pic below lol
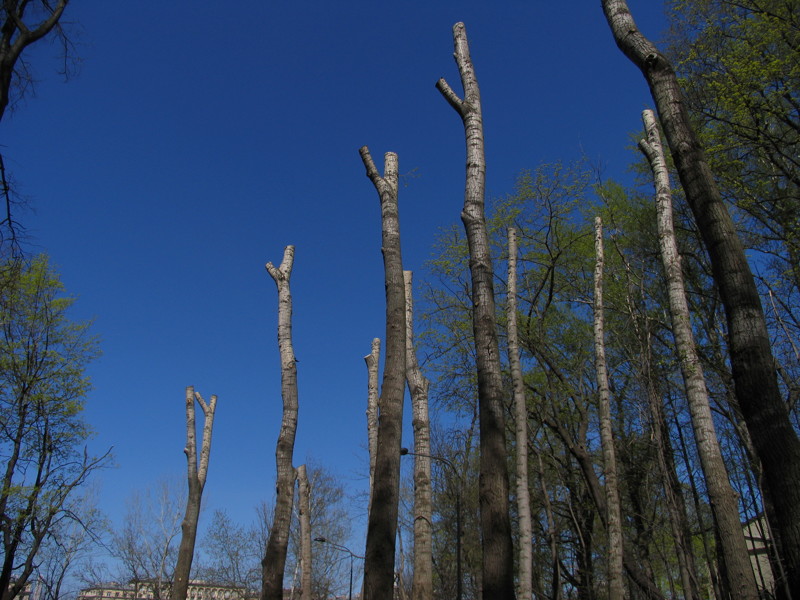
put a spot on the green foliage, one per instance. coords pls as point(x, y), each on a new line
point(43, 356)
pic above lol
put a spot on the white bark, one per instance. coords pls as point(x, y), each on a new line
point(422, 585)
point(524, 591)
point(373, 361)
point(616, 589)
point(304, 493)
point(723, 500)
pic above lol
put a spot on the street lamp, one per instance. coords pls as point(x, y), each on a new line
point(443, 460)
point(341, 548)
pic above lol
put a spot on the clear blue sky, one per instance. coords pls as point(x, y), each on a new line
point(199, 138)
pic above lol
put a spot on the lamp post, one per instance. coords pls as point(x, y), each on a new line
point(341, 548)
point(443, 460)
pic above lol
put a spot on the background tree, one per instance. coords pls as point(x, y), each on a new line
point(43, 357)
point(275, 556)
point(196, 475)
point(382, 526)
point(498, 555)
point(752, 363)
point(232, 552)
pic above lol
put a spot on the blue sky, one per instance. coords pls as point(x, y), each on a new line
point(197, 139)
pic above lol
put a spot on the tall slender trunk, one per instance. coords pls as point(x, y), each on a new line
point(196, 476)
point(525, 590)
point(303, 497)
point(616, 586)
point(373, 360)
point(751, 357)
point(382, 524)
point(274, 562)
point(498, 552)
point(422, 584)
point(724, 503)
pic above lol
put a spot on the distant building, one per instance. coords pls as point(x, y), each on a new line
point(757, 538)
point(145, 590)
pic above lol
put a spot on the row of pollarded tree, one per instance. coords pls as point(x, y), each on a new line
point(767, 426)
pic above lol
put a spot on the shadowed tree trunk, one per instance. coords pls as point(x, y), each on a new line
point(751, 357)
point(197, 481)
point(724, 504)
point(498, 551)
point(422, 584)
point(274, 562)
point(520, 428)
point(616, 587)
point(303, 496)
point(382, 524)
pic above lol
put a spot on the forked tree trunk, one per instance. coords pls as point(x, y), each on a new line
point(520, 428)
point(723, 500)
point(274, 562)
point(196, 476)
point(303, 496)
point(373, 360)
point(382, 524)
point(422, 584)
point(498, 552)
point(752, 363)
point(616, 586)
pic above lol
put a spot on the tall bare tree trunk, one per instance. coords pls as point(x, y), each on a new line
point(422, 584)
point(752, 362)
point(724, 503)
point(274, 562)
point(373, 361)
point(498, 551)
point(616, 586)
point(521, 428)
point(196, 476)
point(304, 494)
point(382, 524)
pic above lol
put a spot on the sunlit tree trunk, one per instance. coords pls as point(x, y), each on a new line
point(373, 360)
point(197, 480)
point(382, 524)
point(520, 428)
point(274, 562)
point(498, 552)
point(616, 589)
point(303, 497)
point(724, 504)
point(752, 363)
point(422, 584)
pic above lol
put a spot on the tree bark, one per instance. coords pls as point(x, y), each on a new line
point(751, 357)
point(274, 562)
point(616, 587)
point(304, 493)
point(422, 584)
point(196, 476)
point(498, 553)
point(525, 590)
point(724, 503)
point(382, 524)
point(373, 360)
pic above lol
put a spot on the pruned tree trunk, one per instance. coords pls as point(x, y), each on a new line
point(752, 363)
point(382, 524)
point(723, 500)
point(373, 361)
point(274, 562)
point(422, 584)
point(520, 428)
point(498, 552)
point(196, 476)
point(616, 586)
point(304, 499)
